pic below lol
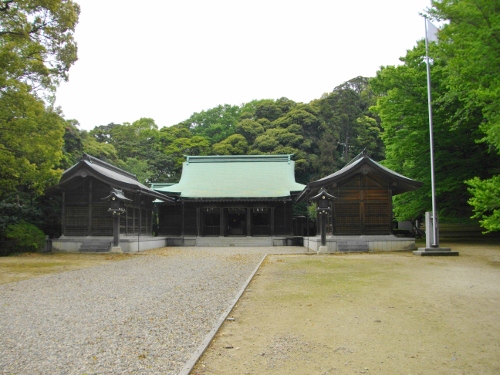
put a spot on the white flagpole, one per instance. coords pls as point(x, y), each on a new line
point(435, 239)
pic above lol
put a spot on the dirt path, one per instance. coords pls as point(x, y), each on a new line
point(392, 313)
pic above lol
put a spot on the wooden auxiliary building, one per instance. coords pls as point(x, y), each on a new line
point(361, 213)
point(87, 224)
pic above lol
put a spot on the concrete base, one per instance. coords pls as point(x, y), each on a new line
point(116, 249)
point(236, 241)
point(128, 244)
point(341, 244)
point(435, 251)
point(323, 250)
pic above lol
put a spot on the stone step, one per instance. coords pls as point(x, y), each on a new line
point(233, 241)
point(352, 246)
point(95, 246)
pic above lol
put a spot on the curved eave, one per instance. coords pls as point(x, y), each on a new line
point(399, 183)
point(123, 183)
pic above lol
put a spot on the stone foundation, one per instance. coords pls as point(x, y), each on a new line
point(128, 244)
point(340, 244)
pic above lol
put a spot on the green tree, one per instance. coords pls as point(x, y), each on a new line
point(180, 147)
point(73, 144)
point(369, 137)
point(36, 52)
point(250, 129)
point(402, 107)
point(346, 127)
point(268, 109)
point(170, 134)
point(486, 202)
point(295, 132)
point(470, 42)
point(31, 142)
point(136, 140)
point(340, 110)
point(214, 124)
point(140, 168)
point(37, 46)
point(101, 150)
point(235, 144)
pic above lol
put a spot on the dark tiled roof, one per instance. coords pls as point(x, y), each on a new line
point(363, 164)
point(116, 177)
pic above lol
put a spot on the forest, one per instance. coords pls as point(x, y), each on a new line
point(386, 115)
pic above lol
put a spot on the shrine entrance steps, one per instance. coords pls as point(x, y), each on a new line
point(95, 246)
point(236, 241)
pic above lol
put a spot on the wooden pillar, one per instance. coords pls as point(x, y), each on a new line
point(222, 222)
point(182, 218)
point(127, 231)
point(284, 218)
point(272, 221)
point(63, 222)
point(134, 220)
point(198, 221)
point(249, 221)
point(389, 203)
point(89, 224)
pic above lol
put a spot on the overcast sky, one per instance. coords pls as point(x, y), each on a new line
point(168, 59)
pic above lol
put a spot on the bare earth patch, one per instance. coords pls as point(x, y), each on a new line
point(385, 313)
point(28, 265)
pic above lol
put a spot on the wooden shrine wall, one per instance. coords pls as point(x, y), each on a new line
point(86, 214)
point(363, 206)
point(193, 218)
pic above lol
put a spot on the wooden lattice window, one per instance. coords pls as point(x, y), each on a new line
point(77, 220)
point(347, 219)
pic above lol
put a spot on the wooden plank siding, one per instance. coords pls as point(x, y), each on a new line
point(363, 206)
point(86, 214)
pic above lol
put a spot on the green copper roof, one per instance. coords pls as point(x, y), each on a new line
point(248, 176)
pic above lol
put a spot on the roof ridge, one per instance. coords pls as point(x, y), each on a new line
point(237, 158)
point(94, 160)
point(362, 154)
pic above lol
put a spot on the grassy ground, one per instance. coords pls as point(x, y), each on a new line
point(28, 265)
point(384, 313)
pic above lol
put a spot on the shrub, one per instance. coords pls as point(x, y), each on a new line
point(24, 237)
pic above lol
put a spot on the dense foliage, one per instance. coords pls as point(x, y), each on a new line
point(23, 237)
point(36, 52)
point(465, 75)
point(470, 43)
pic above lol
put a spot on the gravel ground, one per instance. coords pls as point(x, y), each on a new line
point(146, 315)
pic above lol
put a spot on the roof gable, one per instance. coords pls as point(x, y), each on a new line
point(367, 166)
point(108, 173)
point(240, 176)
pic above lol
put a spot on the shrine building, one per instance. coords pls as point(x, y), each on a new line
point(87, 224)
point(361, 212)
point(227, 197)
